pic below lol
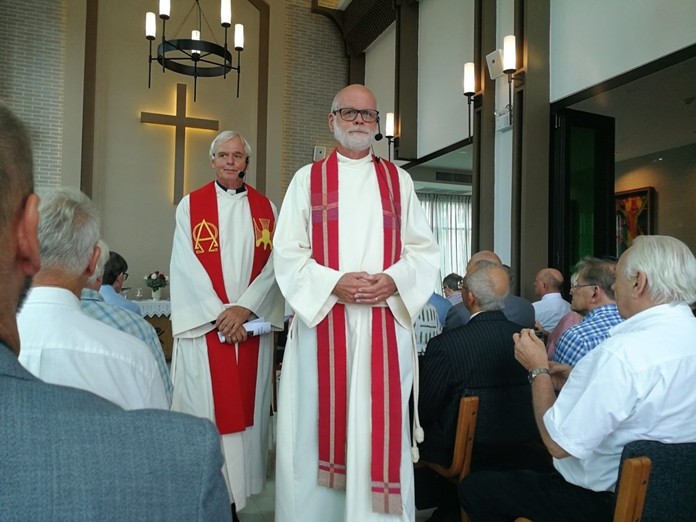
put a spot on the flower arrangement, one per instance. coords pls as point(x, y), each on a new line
point(156, 280)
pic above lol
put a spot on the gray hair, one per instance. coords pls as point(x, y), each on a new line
point(68, 230)
point(669, 267)
point(99, 267)
point(600, 272)
point(16, 165)
point(229, 135)
point(482, 283)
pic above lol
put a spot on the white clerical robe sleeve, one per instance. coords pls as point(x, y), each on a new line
point(263, 296)
point(194, 301)
point(307, 286)
point(416, 272)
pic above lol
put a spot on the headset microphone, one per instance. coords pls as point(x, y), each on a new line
point(243, 173)
point(378, 136)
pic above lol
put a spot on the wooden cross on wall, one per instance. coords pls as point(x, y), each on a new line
point(181, 122)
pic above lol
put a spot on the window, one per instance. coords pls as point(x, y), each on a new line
point(450, 219)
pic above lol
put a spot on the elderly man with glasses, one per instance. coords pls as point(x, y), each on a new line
point(593, 297)
point(356, 261)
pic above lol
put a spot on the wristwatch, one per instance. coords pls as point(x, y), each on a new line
point(535, 373)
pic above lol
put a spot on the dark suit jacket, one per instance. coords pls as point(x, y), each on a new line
point(68, 455)
point(517, 309)
point(463, 361)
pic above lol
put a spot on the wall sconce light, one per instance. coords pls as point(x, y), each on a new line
point(469, 88)
point(509, 67)
point(389, 133)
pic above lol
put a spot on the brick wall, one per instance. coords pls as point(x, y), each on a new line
point(315, 69)
point(32, 88)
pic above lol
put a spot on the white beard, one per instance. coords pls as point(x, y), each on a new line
point(353, 140)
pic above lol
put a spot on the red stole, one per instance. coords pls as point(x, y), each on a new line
point(233, 376)
point(332, 345)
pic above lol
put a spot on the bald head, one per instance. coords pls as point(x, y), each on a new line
point(486, 288)
point(548, 281)
point(485, 256)
point(355, 96)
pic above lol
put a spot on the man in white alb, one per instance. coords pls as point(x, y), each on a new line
point(356, 260)
point(222, 277)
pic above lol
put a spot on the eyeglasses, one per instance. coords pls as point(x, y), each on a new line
point(349, 114)
point(125, 275)
point(573, 287)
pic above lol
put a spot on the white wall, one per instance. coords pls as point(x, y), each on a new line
point(502, 230)
point(446, 43)
point(594, 40)
point(380, 77)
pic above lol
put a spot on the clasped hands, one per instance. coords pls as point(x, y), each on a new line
point(530, 352)
point(364, 288)
point(231, 324)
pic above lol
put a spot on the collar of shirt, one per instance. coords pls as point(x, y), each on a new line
point(232, 191)
point(90, 295)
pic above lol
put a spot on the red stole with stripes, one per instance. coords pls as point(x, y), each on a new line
point(332, 345)
point(233, 375)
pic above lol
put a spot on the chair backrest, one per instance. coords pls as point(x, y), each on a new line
point(463, 443)
point(671, 489)
point(506, 415)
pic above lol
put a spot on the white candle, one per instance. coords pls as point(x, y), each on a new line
point(150, 26)
point(226, 12)
point(238, 37)
point(509, 54)
point(195, 35)
point(165, 8)
point(469, 78)
point(389, 127)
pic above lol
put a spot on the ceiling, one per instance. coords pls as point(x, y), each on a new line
point(653, 113)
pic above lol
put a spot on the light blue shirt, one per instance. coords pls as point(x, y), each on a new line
point(111, 296)
point(93, 305)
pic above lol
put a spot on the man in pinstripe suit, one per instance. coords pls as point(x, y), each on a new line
point(458, 362)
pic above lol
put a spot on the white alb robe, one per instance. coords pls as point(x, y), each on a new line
point(195, 306)
point(308, 287)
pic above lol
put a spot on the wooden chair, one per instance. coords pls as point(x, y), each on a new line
point(657, 481)
point(463, 444)
point(630, 491)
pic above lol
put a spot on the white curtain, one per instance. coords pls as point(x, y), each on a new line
point(450, 218)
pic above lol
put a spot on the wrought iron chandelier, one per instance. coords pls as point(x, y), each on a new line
point(194, 57)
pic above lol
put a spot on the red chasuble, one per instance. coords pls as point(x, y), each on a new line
point(332, 346)
point(233, 376)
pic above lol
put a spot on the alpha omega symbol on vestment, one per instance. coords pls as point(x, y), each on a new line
point(205, 232)
point(262, 232)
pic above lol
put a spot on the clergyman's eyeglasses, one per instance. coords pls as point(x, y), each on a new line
point(349, 114)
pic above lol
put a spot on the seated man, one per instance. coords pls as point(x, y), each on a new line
point(60, 343)
point(636, 385)
point(93, 305)
point(551, 307)
point(593, 297)
point(68, 454)
point(516, 309)
point(115, 273)
point(451, 286)
point(475, 356)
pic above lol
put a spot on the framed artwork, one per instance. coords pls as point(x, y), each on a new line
point(634, 216)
